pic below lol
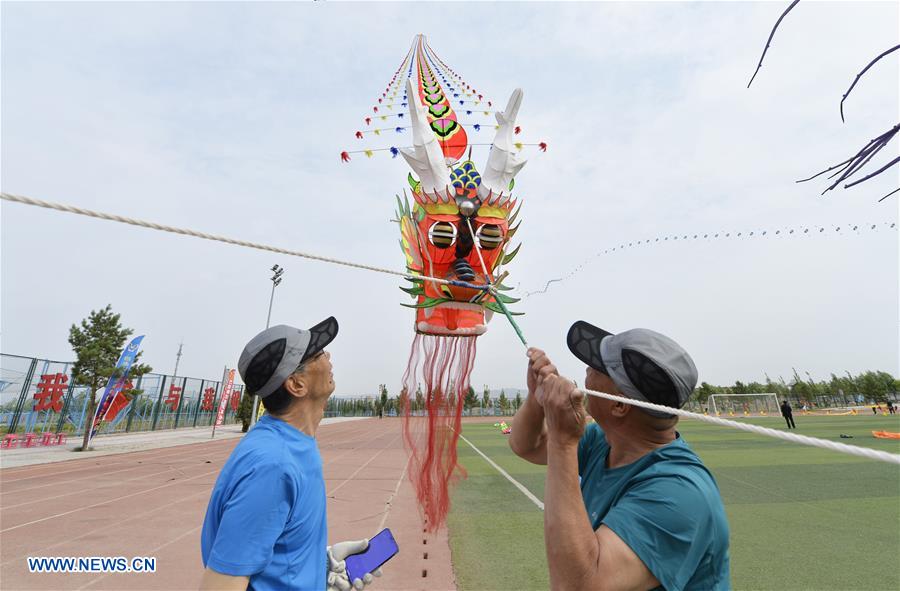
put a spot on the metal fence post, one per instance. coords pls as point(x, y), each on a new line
point(20, 404)
point(132, 408)
point(180, 401)
point(199, 402)
point(66, 404)
point(217, 400)
point(162, 388)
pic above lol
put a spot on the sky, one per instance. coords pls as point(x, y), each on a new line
point(229, 118)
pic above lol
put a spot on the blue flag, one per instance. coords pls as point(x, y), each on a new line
point(115, 384)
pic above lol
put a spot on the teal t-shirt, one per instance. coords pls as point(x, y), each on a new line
point(666, 506)
point(266, 516)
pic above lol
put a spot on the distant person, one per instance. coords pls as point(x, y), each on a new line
point(874, 410)
point(265, 525)
point(646, 512)
point(788, 413)
point(890, 406)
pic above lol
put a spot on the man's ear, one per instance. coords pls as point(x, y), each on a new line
point(296, 385)
point(620, 409)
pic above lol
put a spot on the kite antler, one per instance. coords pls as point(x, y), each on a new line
point(503, 164)
point(425, 157)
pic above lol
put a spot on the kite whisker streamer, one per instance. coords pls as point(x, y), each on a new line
point(443, 366)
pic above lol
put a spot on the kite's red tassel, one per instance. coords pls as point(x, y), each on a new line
point(345, 157)
point(542, 146)
point(518, 130)
point(431, 435)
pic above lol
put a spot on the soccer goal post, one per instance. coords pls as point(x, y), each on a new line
point(744, 404)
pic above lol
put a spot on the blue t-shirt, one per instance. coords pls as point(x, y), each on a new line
point(266, 516)
point(666, 506)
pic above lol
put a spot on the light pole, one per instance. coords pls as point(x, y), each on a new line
point(277, 272)
point(276, 279)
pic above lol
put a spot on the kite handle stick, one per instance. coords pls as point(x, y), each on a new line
point(491, 290)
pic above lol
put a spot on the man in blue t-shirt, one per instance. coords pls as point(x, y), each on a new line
point(266, 525)
point(627, 504)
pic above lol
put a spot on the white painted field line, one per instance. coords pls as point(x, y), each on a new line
point(515, 482)
point(389, 504)
point(108, 501)
point(358, 470)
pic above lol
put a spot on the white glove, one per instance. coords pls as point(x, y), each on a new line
point(338, 580)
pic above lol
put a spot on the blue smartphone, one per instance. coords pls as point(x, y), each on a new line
point(381, 548)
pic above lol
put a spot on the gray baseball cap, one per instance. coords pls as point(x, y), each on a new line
point(643, 364)
point(275, 353)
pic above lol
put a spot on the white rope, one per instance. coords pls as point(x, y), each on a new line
point(853, 450)
point(862, 452)
point(205, 236)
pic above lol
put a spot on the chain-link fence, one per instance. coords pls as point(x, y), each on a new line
point(40, 396)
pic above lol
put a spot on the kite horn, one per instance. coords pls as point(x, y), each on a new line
point(503, 162)
point(425, 156)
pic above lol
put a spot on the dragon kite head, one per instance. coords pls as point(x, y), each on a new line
point(459, 224)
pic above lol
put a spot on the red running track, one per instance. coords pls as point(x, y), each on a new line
point(152, 503)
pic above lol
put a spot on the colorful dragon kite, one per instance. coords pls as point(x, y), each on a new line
point(457, 227)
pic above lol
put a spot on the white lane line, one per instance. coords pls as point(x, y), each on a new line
point(134, 494)
point(358, 470)
point(149, 553)
point(516, 483)
point(389, 504)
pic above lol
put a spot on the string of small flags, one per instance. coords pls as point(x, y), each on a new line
point(448, 72)
point(799, 232)
point(394, 89)
point(400, 129)
point(395, 151)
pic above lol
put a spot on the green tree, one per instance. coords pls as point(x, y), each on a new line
point(471, 399)
point(875, 385)
point(518, 400)
point(245, 410)
point(420, 399)
point(504, 402)
point(97, 344)
point(703, 392)
point(777, 388)
point(486, 398)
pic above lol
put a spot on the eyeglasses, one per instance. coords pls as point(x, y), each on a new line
point(312, 359)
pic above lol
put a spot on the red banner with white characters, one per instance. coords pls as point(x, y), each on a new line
point(227, 387)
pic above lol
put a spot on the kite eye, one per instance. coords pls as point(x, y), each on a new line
point(489, 236)
point(442, 234)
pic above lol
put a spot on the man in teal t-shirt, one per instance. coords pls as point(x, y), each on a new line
point(628, 505)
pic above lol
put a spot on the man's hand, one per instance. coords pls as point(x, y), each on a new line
point(563, 410)
point(539, 368)
point(338, 580)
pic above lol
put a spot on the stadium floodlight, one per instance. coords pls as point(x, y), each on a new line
point(276, 281)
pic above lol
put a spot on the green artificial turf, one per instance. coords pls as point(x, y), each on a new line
point(800, 517)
